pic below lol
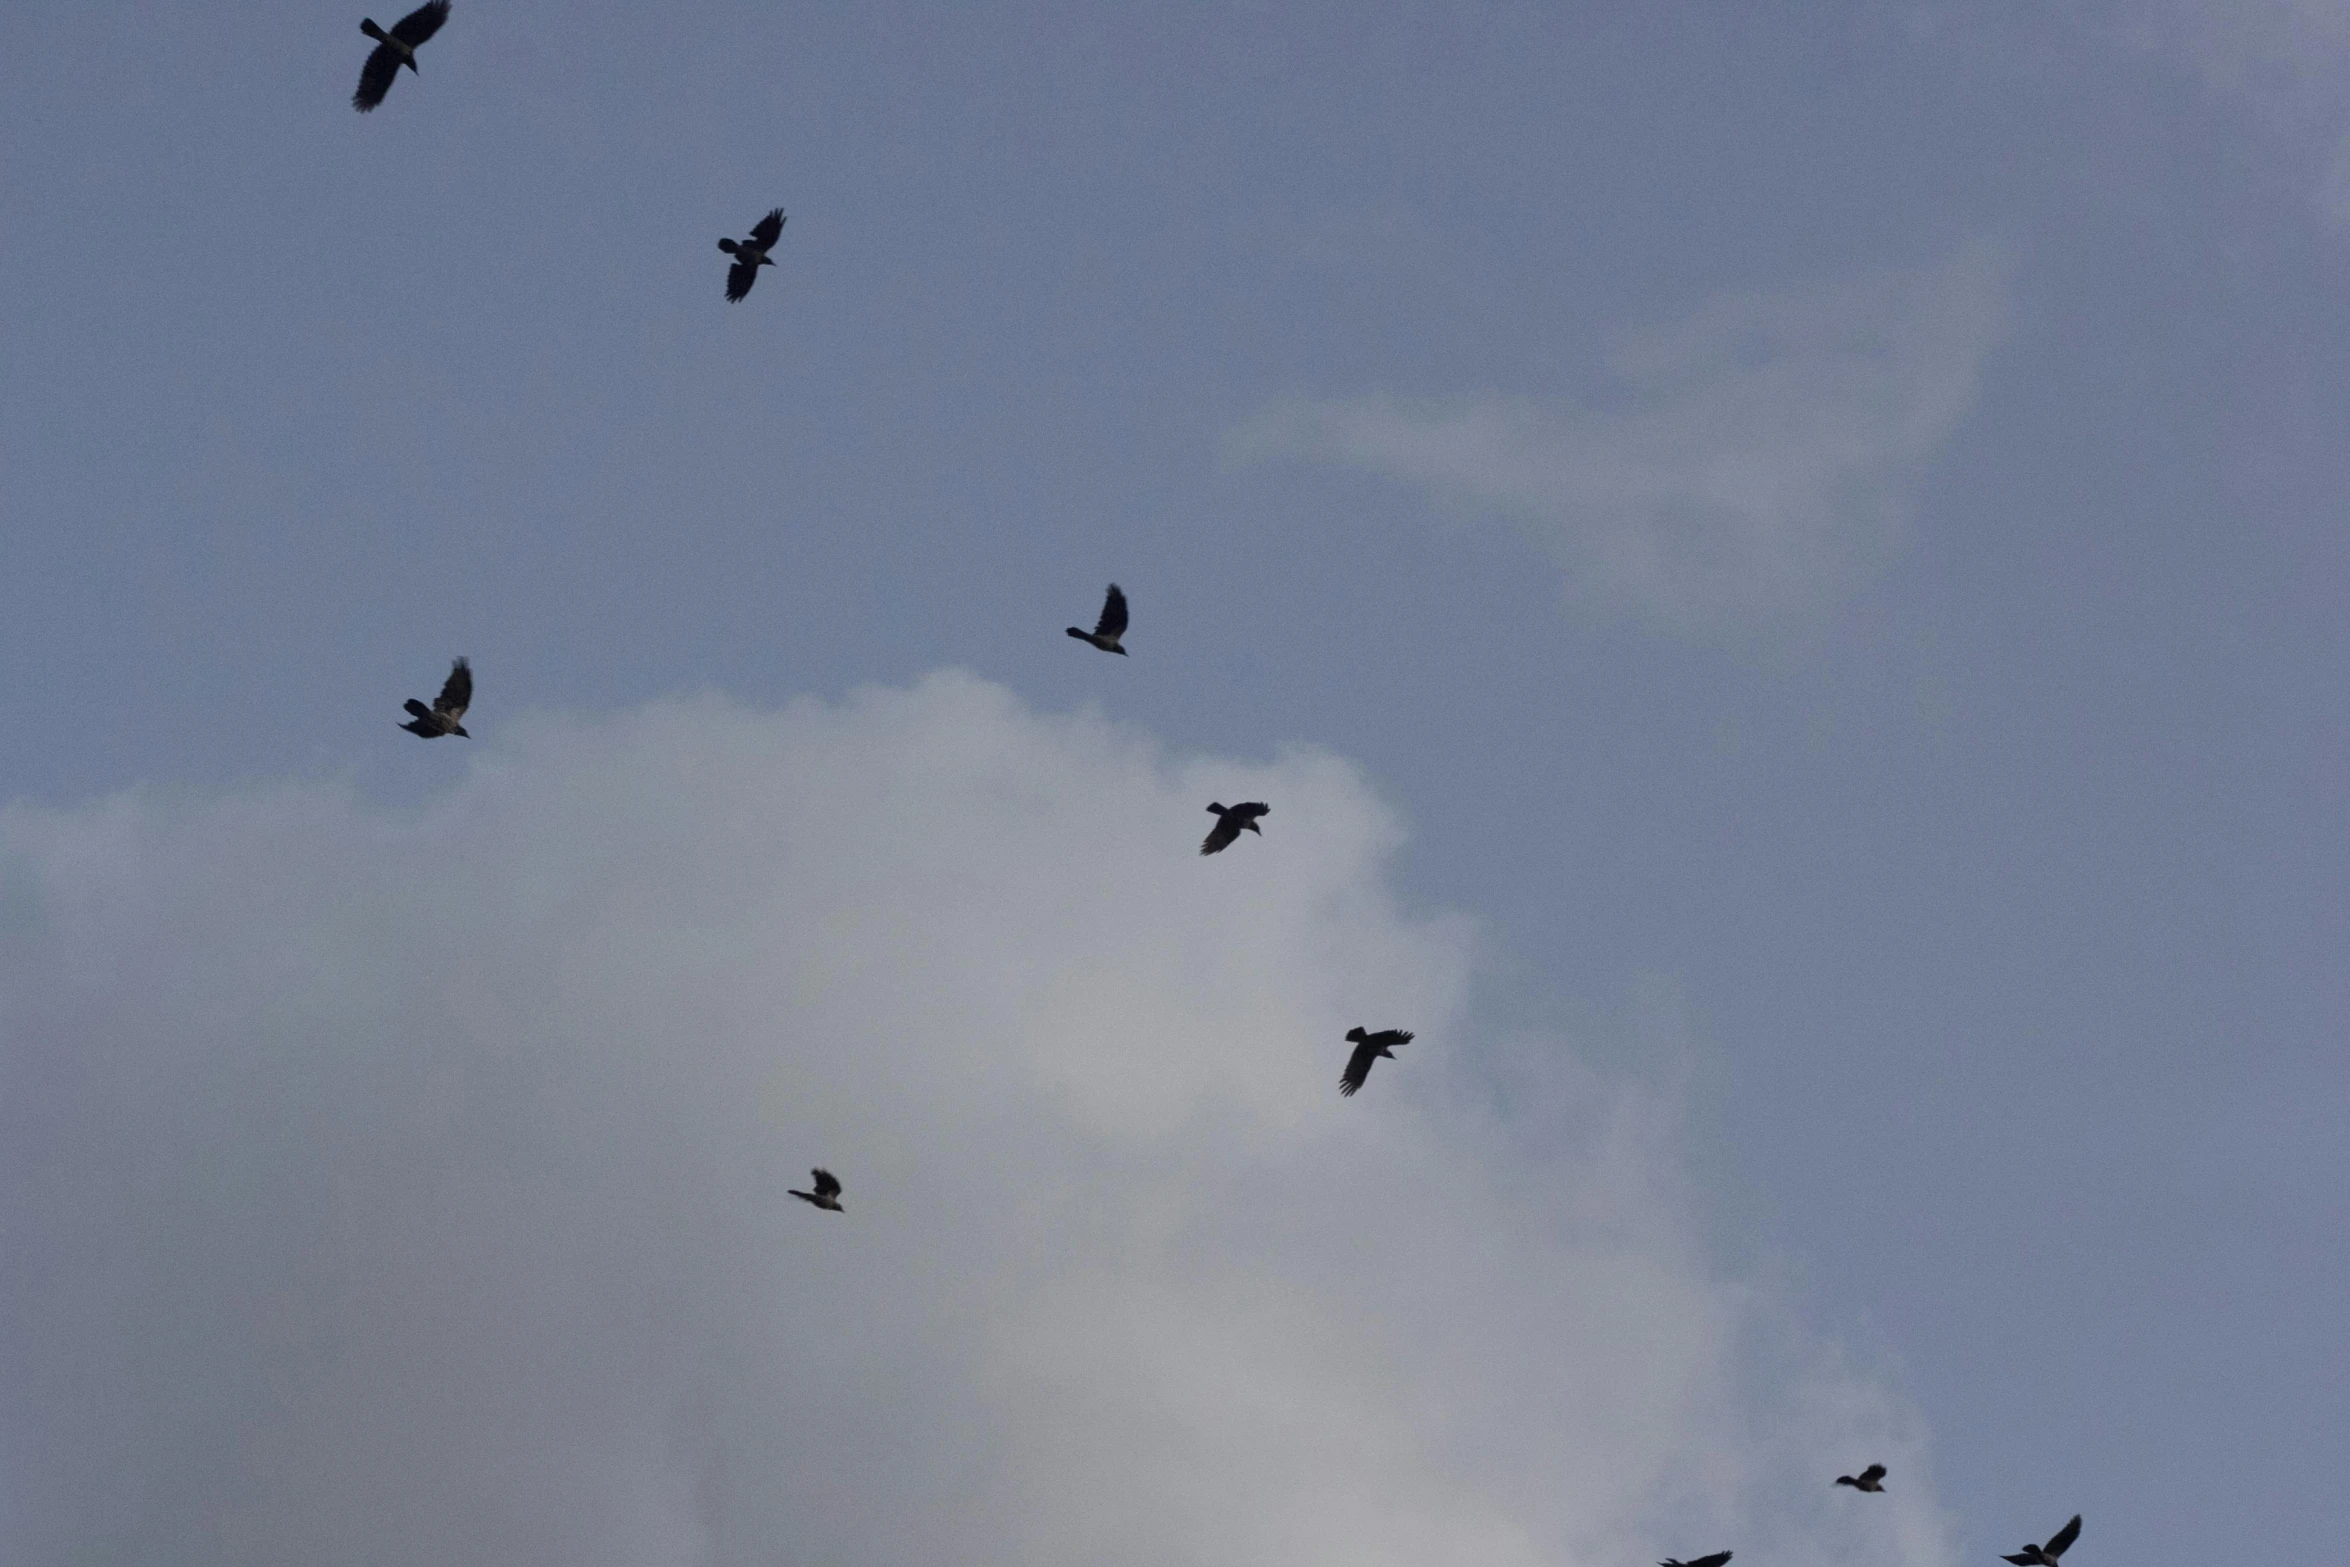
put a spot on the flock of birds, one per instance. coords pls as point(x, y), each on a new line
point(1872, 1479)
point(395, 49)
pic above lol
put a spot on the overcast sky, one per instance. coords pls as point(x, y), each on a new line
point(1782, 568)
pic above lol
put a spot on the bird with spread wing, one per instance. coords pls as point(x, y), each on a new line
point(446, 716)
point(827, 1192)
point(751, 254)
point(2046, 1555)
point(1368, 1048)
point(1870, 1479)
point(395, 49)
point(1107, 630)
point(1231, 821)
point(1714, 1560)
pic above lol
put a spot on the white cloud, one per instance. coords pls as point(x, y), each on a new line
point(386, 1187)
point(1752, 461)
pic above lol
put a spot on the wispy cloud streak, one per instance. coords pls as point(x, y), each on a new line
point(1751, 461)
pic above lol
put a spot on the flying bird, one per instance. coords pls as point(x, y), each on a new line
point(751, 254)
point(395, 49)
point(446, 716)
point(1870, 1479)
point(1107, 630)
point(1369, 1047)
point(1714, 1560)
point(2046, 1555)
point(1230, 820)
point(827, 1192)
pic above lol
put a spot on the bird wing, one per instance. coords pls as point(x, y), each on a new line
point(421, 23)
point(1358, 1072)
point(739, 279)
point(1113, 621)
point(415, 709)
point(456, 691)
point(375, 78)
point(768, 229)
point(2062, 1540)
point(1221, 835)
point(2024, 1558)
point(1391, 1037)
point(827, 1184)
point(1249, 811)
point(1714, 1560)
point(1872, 1474)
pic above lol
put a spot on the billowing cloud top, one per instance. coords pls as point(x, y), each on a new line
point(1751, 461)
point(411, 1186)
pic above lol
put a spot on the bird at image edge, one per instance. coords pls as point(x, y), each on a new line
point(393, 50)
point(2046, 1555)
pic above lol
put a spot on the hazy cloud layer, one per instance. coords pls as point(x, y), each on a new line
point(2286, 63)
point(390, 1187)
point(1752, 460)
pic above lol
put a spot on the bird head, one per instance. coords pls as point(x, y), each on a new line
point(1253, 827)
point(460, 733)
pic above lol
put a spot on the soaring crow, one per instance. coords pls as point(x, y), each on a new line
point(751, 254)
point(2046, 1555)
point(446, 716)
point(1358, 1070)
point(1870, 1479)
point(827, 1192)
point(1107, 630)
point(1714, 1560)
point(1230, 820)
point(395, 49)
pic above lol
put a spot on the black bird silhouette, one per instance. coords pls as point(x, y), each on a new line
point(751, 254)
point(1870, 1479)
point(2046, 1555)
point(395, 49)
point(1368, 1047)
point(1714, 1560)
point(446, 716)
point(1231, 820)
point(827, 1192)
point(1107, 630)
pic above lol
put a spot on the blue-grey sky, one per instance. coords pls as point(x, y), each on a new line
point(1822, 527)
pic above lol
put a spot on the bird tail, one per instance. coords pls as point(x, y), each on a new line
point(371, 30)
point(1216, 807)
point(726, 245)
point(1354, 1036)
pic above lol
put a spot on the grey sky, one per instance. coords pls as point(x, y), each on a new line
point(1821, 527)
